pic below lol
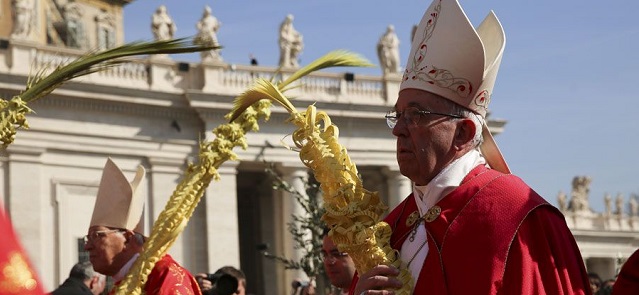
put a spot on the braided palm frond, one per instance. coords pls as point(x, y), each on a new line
point(353, 213)
point(243, 118)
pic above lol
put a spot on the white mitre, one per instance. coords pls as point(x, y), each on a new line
point(450, 58)
point(120, 204)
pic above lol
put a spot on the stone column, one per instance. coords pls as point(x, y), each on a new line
point(162, 177)
point(399, 187)
point(391, 87)
point(294, 174)
point(222, 231)
point(28, 203)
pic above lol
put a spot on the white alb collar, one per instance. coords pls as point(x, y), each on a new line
point(426, 196)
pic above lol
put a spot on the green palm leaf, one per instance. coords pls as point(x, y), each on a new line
point(40, 85)
point(13, 112)
point(262, 89)
point(337, 58)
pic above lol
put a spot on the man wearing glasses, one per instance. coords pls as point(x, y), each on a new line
point(116, 235)
point(339, 266)
point(469, 227)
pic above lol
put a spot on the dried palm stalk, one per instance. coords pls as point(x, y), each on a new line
point(187, 195)
point(353, 213)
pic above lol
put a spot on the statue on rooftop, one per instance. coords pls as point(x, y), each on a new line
point(561, 201)
point(579, 194)
point(207, 29)
point(634, 207)
point(23, 18)
point(162, 25)
point(619, 204)
point(291, 44)
point(388, 51)
point(608, 204)
point(72, 14)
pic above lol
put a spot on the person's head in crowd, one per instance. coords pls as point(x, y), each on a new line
point(209, 282)
point(82, 273)
point(595, 282)
point(339, 266)
point(117, 225)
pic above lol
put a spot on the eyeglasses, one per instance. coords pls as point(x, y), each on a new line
point(412, 115)
point(333, 256)
point(99, 234)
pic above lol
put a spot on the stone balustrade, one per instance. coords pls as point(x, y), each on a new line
point(161, 73)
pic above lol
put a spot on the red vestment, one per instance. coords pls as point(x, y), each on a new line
point(169, 278)
point(16, 274)
point(627, 282)
point(494, 235)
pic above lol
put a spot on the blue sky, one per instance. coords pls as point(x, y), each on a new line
point(566, 84)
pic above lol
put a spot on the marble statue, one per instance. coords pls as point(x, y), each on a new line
point(162, 25)
point(23, 18)
point(388, 51)
point(579, 194)
point(561, 201)
point(106, 30)
point(291, 44)
point(72, 14)
point(608, 204)
point(619, 204)
point(207, 29)
point(634, 207)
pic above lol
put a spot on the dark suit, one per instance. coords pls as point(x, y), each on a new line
point(72, 286)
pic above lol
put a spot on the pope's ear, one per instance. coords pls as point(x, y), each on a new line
point(465, 132)
point(128, 235)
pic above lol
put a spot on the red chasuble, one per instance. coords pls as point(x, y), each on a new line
point(494, 235)
point(169, 278)
point(627, 282)
point(16, 274)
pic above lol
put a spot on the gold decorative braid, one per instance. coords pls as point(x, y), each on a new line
point(352, 213)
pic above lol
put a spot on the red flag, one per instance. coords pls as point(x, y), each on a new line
point(16, 274)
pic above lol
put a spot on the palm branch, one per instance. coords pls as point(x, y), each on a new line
point(13, 112)
point(267, 89)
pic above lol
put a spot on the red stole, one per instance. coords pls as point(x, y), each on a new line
point(470, 239)
point(168, 277)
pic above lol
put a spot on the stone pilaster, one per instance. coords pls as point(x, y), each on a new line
point(295, 175)
point(399, 187)
point(162, 177)
point(27, 202)
point(222, 231)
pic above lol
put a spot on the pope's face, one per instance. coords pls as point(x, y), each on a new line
point(425, 148)
point(106, 249)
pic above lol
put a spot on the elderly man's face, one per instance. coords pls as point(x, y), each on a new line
point(425, 148)
point(106, 248)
